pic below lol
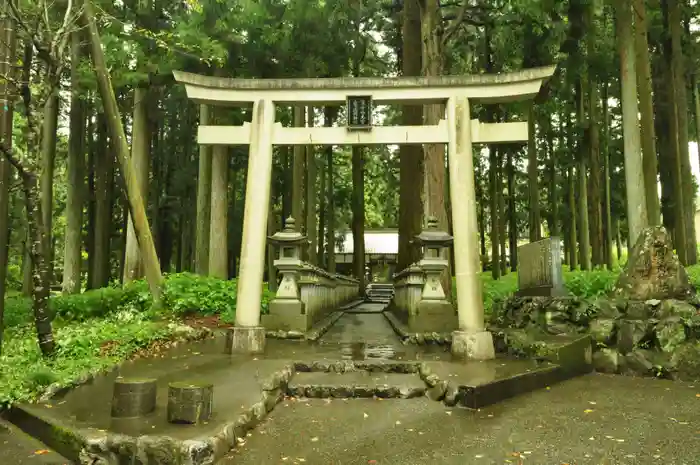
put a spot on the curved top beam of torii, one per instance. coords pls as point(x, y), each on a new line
point(485, 88)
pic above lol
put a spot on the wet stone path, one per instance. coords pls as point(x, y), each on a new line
point(595, 419)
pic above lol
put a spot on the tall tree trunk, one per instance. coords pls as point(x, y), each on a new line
point(582, 171)
point(553, 178)
point(94, 138)
point(512, 214)
point(104, 172)
point(141, 159)
point(203, 200)
point(411, 164)
point(298, 170)
point(533, 182)
point(678, 67)
point(358, 216)
point(8, 55)
point(330, 231)
point(218, 234)
point(607, 201)
point(571, 197)
point(595, 178)
point(495, 223)
point(136, 204)
point(76, 176)
point(48, 162)
point(646, 110)
point(321, 215)
point(634, 177)
point(311, 194)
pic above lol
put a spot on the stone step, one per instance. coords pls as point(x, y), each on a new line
point(356, 384)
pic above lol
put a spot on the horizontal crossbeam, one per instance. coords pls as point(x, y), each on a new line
point(482, 133)
point(485, 88)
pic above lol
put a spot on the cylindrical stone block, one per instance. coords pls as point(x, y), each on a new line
point(189, 403)
point(133, 397)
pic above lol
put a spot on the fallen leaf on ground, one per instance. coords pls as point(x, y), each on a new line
point(398, 422)
point(314, 439)
point(588, 410)
point(41, 452)
point(591, 402)
point(479, 456)
point(365, 415)
point(371, 461)
point(448, 412)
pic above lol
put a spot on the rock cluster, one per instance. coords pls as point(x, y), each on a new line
point(652, 338)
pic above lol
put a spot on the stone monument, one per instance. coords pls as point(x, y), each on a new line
point(539, 269)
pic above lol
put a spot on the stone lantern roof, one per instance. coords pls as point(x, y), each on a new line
point(289, 235)
point(432, 236)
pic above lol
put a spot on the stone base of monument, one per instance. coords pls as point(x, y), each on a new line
point(433, 316)
point(245, 340)
point(473, 345)
point(189, 403)
point(133, 397)
point(286, 315)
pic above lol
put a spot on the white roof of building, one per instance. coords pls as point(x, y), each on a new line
point(381, 241)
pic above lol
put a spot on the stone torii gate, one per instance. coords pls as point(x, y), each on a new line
point(457, 130)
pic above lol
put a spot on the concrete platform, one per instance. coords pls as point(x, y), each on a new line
point(18, 448)
point(590, 420)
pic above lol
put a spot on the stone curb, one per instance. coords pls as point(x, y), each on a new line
point(385, 391)
point(408, 337)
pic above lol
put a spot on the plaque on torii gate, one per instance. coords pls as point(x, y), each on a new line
point(456, 129)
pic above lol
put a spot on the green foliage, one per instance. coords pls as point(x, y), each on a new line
point(84, 347)
point(583, 284)
point(184, 294)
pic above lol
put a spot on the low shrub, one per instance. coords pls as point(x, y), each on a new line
point(183, 294)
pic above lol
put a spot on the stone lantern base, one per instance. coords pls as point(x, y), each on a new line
point(433, 316)
point(286, 315)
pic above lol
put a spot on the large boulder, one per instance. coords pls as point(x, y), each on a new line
point(653, 270)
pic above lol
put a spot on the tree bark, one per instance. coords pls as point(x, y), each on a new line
point(76, 176)
point(298, 170)
point(678, 67)
point(607, 200)
point(8, 54)
point(634, 177)
point(411, 164)
point(533, 182)
point(329, 116)
point(136, 205)
point(495, 223)
point(141, 158)
point(358, 216)
point(646, 110)
point(218, 233)
point(311, 194)
point(571, 197)
point(203, 200)
point(104, 174)
point(512, 214)
point(48, 163)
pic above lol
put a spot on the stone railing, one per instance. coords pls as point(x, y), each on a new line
point(317, 294)
point(414, 305)
point(322, 292)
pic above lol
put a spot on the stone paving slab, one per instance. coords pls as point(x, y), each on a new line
point(590, 420)
point(20, 449)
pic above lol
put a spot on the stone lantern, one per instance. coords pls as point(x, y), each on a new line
point(435, 312)
point(434, 260)
point(287, 303)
